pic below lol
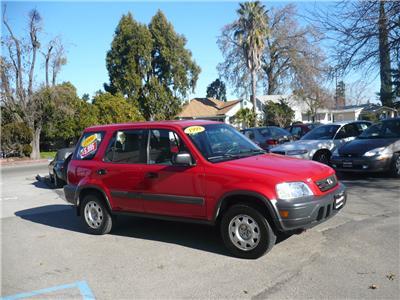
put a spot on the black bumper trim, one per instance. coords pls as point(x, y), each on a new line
point(310, 211)
point(70, 193)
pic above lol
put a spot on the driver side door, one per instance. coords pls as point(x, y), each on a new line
point(169, 189)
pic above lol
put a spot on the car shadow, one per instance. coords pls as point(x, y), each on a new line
point(196, 236)
point(43, 182)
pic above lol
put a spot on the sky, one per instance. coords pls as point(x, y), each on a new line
point(87, 28)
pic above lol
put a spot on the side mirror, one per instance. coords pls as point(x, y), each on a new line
point(182, 159)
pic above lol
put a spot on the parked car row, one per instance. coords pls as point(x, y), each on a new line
point(350, 146)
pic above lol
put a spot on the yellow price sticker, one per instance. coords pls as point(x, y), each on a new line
point(90, 139)
point(194, 129)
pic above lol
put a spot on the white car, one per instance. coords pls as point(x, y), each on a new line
point(319, 143)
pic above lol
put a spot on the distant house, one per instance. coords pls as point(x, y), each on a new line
point(212, 109)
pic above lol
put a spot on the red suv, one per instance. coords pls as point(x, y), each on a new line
point(198, 171)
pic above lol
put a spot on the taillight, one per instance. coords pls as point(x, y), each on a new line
point(272, 142)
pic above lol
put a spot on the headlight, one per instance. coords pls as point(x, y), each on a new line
point(292, 190)
point(382, 152)
point(296, 152)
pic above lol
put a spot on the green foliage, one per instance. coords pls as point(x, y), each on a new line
point(16, 136)
point(217, 90)
point(246, 117)
point(369, 116)
point(150, 65)
point(26, 150)
point(114, 109)
point(279, 114)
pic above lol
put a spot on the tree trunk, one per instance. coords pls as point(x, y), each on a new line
point(386, 94)
point(35, 144)
point(253, 96)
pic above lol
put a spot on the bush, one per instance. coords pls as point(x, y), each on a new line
point(26, 150)
point(16, 136)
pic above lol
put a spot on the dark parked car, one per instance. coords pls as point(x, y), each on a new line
point(300, 129)
point(58, 167)
point(377, 149)
point(268, 137)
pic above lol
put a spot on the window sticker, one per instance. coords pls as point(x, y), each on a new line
point(89, 140)
point(85, 151)
point(89, 145)
point(192, 130)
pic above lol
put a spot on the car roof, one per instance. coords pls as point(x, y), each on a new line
point(341, 123)
point(173, 123)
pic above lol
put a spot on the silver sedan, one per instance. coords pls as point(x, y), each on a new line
point(319, 143)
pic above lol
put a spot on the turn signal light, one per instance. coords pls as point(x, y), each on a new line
point(284, 213)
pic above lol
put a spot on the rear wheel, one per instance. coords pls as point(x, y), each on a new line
point(246, 232)
point(322, 157)
point(57, 182)
point(95, 215)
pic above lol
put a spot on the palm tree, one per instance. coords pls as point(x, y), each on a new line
point(250, 32)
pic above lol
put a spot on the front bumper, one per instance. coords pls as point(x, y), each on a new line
point(361, 164)
point(308, 212)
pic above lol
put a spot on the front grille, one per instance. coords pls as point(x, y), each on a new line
point(279, 152)
point(327, 183)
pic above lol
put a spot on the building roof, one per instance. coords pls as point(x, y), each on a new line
point(206, 107)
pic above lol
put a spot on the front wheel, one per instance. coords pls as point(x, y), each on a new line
point(246, 232)
point(395, 167)
point(95, 215)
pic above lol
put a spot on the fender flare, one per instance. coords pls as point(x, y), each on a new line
point(82, 188)
point(269, 204)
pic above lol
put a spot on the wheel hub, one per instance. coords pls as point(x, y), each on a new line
point(93, 214)
point(244, 232)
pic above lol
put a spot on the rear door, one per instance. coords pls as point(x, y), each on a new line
point(122, 169)
point(170, 189)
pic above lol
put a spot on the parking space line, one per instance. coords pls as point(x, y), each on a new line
point(83, 287)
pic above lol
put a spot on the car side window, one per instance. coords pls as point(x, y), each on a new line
point(361, 127)
point(127, 146)
point(163, 145)
point(349, 130)
point(249, 134)
point(296, 130)
point(88, 145)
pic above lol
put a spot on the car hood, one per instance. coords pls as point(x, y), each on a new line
point(358, 147)
point(305, 145)
point(283, 168)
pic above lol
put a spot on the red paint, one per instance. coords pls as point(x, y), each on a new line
point(258, 174)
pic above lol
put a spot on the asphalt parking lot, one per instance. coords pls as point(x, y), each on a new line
point(46, 254)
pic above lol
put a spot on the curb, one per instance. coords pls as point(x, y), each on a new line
point(8, 163)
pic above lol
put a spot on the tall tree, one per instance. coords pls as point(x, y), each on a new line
point(18, 65)
point(242, 44)
point(217, 90)
point(150, 65)
point(366, 36)
point(289, 47)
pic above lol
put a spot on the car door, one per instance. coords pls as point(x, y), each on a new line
point(122, 169)
point(171, 189)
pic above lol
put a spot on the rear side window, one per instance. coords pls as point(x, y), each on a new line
point(127, 147)
point(88, 145)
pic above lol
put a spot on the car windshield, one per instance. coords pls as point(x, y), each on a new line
point(219, 142)
point(382, 130)
point(325, 132)
point(273, 132)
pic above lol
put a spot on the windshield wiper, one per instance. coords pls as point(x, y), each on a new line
point(246, 153)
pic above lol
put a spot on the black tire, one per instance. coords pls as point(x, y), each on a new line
point(395, 166)
point(57, 182)
point(323, 157)
point(104, 221)
point(266, 236)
